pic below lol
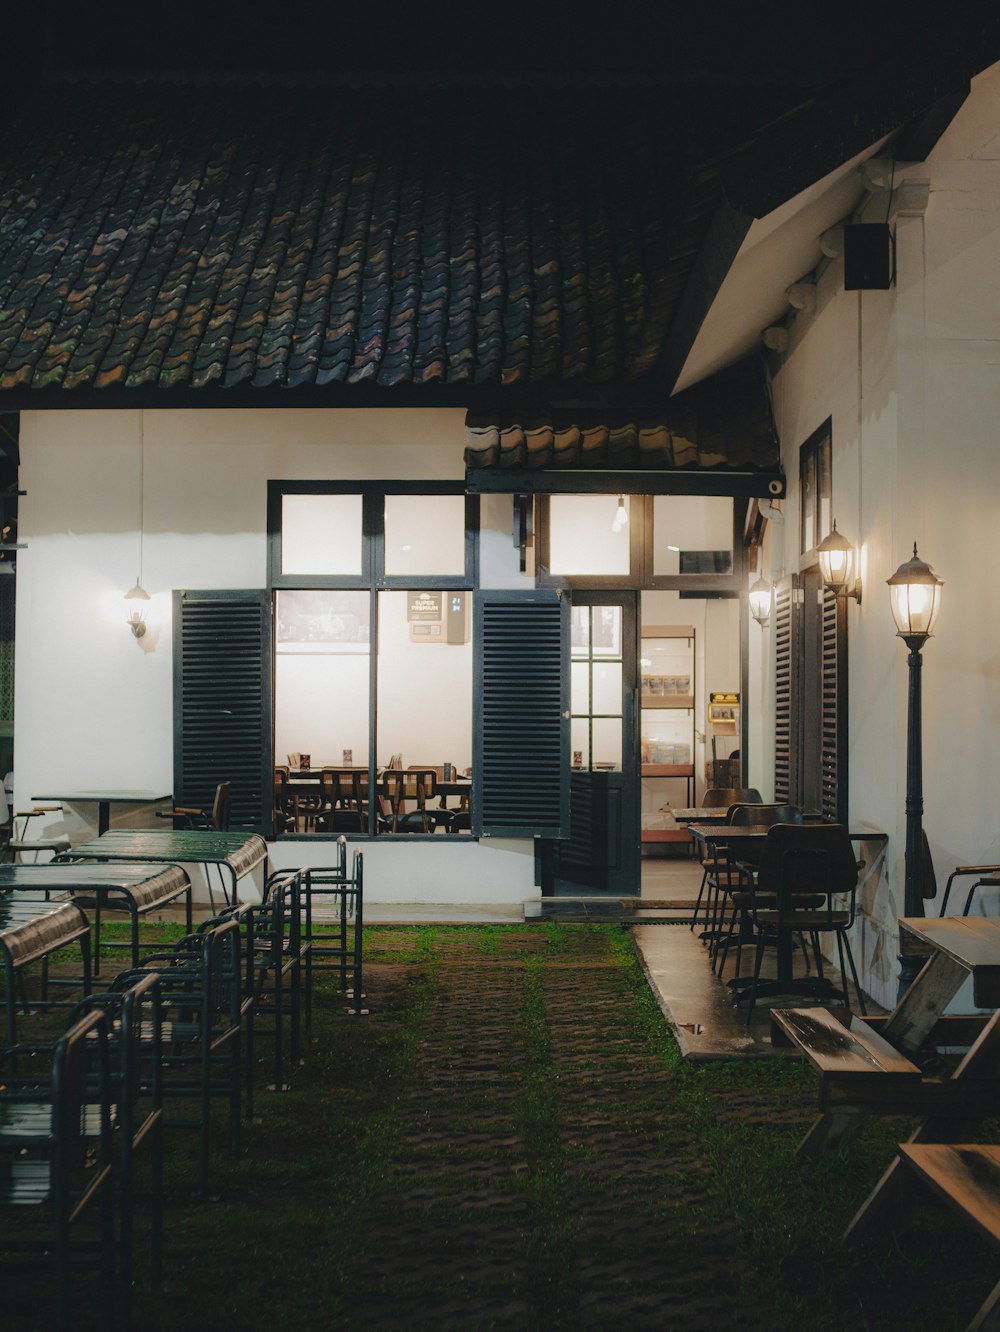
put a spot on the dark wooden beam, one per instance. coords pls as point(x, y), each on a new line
point(581, 481)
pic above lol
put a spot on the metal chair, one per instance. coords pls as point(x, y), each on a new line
point(59, 1158)
point(20, 844)
point(344, 800)
point(719, 797)
point(806, 883)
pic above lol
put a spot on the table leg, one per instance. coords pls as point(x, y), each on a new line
point(919, 1009)
point(103, 817)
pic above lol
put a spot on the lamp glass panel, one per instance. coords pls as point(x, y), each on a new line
point(915, 606)
point(760, 603)
point(321, 534)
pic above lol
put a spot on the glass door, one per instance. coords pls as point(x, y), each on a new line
point(601, 854)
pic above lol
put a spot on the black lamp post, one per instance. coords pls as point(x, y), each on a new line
point(915, 592)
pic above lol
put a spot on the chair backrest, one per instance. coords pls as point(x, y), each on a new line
point(72, 1090)
point(417, 784)
point(220, 807)
point(814, 858)
point(748, 815)
point(720, 797)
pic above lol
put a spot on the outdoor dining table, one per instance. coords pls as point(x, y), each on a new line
point(31, 930)
point(104, 798)
point(235, 854)
point(136, 889)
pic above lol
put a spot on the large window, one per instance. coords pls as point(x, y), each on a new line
point(373, 656)
point(815, 488)
point(674, 542)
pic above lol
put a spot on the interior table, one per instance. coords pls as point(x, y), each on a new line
point(136, 889)
point(31, 930)
point(234, 854)
point(104, 798)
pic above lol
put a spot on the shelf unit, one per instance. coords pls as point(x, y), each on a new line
point(667, 731)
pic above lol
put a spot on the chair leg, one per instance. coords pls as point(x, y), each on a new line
point(752, 997)
point(697, 904)
point(845, 944)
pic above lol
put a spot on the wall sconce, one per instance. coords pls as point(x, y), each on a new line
point(137, 614)
point(836, 562)
point(621, 515)
point(760, 602)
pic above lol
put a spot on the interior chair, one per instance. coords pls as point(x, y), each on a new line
point(57, 1163)
point(415, 785)
point(719, 797)
point(284, 804)
point(20, 845)
point(343, 801)
point(806, 882)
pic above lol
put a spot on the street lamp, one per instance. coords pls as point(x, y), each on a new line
point(836, 562)
point(760, 601)
point(915, 597)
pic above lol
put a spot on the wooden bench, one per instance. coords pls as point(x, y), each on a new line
point(967, 1178)
point(860, 1072)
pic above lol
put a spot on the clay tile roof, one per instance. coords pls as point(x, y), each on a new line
point(165, 236)
point(724, 422)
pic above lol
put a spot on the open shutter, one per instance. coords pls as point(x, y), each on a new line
point(222, 702)
point(833, 702)
point(521, 758)
point(787, 742)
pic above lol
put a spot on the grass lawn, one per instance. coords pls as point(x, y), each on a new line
point(510, 1140)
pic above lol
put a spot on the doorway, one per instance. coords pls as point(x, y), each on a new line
point(601, 854)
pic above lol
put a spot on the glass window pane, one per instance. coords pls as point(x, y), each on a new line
point(807, 484)
point(824, 486)
point(608, 688)
point(697, 527)
point(579, 687)
point(321, 534)
point(579, 635)
point(585, 537)
point(579, 741)
point(424, 535)
point(607, 631)
point(321, 676)
point(424, 686)
point(607, 743)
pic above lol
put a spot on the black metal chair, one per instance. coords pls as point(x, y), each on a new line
point(719, 797)
point(200, 981)
point(57, 1159)
point(333, 942)
point(806, 883)
point(136, 1052)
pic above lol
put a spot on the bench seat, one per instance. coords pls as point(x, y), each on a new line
point(844, 1053)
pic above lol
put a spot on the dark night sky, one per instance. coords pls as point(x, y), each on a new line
point(799, 43)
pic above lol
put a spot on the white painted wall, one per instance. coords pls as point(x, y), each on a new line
point(94, 706)
point(909, 377)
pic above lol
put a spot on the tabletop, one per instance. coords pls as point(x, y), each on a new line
point(116, 795)
point(54, 875)
point(971, 941)
point(244, 849)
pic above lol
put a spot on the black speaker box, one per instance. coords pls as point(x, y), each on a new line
point(867, 257)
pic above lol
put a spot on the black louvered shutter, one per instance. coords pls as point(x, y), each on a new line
point(222, 702)
point(833, 708)
point(521, 754)
point(787, 663)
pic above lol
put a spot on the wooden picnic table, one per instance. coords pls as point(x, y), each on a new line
point(136, 889)
point(235, 854)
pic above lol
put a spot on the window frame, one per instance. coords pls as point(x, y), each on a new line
point(374, 580)
point(819, 442)
point(641, 576)
point(373, 573)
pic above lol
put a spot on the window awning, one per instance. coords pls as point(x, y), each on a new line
point(716, 438)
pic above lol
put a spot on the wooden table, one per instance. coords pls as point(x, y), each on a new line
point(136, 889)
point(32, 930)
point(104, 799)
point(233, 853)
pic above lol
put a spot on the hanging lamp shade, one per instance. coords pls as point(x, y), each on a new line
point(836, 560)
point(760, 601)
point(137, 593)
